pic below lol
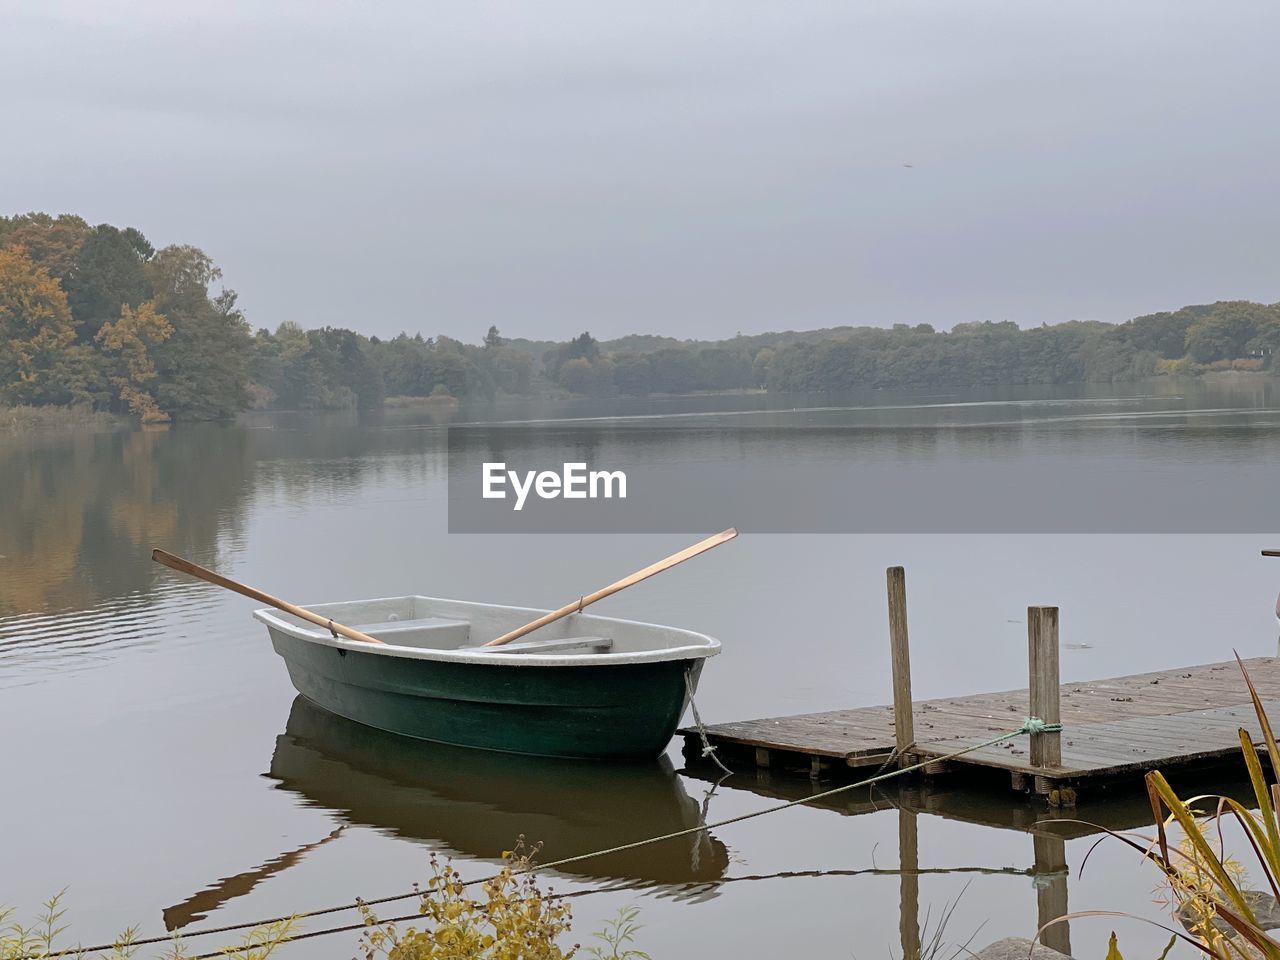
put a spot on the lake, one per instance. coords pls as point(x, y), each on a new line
point(158, 765)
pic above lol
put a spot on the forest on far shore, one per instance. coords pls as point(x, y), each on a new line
point(96, 317)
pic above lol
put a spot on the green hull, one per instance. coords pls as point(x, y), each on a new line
point(619, 711)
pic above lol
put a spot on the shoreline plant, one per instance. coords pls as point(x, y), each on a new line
point(1204, 885)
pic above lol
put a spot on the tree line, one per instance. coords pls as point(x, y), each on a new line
point(96, 316)
point(1228, 335)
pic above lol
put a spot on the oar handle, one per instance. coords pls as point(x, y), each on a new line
point(1271, 553)
point(217, 579)
point(686, 554)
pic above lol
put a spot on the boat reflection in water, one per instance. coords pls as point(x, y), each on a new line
point(203, 903)
point(477, 802)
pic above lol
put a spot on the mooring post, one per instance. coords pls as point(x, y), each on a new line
point(1042, 643)
point(903, 723)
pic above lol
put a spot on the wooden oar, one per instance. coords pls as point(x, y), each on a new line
point(685, 554)
point(1271, 553)
point(195, 570)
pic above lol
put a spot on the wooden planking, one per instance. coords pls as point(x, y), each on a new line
point(1123, 746)
point(1111, 727)
point(841, 733)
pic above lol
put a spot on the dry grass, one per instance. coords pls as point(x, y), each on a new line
point(23, 419)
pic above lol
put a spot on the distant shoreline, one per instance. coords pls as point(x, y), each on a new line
point(1234, 375)
point(19, 420)
point(437, 402)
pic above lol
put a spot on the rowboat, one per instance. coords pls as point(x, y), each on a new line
point(449, 671)
point(582, 686)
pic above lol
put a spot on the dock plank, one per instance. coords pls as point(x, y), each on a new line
point(1112, 727)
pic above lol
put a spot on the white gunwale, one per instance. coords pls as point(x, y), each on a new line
point(670, 643)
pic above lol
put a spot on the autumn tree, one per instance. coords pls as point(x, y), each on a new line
point(35, 324)
point(130, 343)
point(51, 242)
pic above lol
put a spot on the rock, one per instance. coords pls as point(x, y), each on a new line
point(1018, 948)
point(1261, 902)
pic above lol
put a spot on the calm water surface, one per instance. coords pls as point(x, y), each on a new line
point(157, 763)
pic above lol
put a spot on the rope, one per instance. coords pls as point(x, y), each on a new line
point(707, 749)
point(1036, 725)
point(1031, 725)
point(687, 889)
point(894, 756)
point(1043, 881)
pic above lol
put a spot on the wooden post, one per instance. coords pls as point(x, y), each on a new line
point(1042, 644)
point(903, 722)
point(1051, 890)
point(909, 883)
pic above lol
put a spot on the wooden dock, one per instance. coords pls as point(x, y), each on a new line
point(1112, 730)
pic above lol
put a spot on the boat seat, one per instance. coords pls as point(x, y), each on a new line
point(594, 644)
point(442, 632)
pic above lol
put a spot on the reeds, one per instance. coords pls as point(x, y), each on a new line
point(23, 419)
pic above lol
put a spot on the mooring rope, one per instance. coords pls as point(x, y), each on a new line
point(707, 749)
point(596, 891)
point(1031, 725)
point(692, 887)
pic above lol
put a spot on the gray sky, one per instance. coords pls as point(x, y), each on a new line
point(691, 169)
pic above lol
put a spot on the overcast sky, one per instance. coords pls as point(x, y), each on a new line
point(688, 168)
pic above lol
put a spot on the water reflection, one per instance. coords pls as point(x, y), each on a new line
point(82, 510)
point(199, 906)
point(1119, 809)
point(79, 512)
point(320, 508)
point(477, 803)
